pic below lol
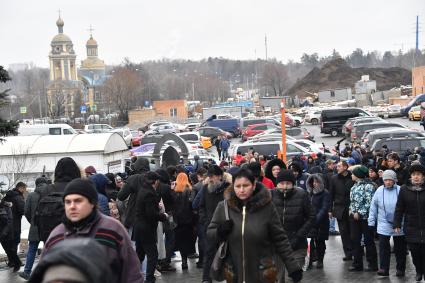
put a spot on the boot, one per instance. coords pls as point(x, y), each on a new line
point(319, 264)
point(184, 263)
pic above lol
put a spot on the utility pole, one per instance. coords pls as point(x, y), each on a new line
point(265, 43)
point(39, 105)
point(417, 33)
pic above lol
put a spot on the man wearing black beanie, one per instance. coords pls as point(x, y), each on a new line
point(82, 219)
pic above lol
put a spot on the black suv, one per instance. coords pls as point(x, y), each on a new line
point(333, 119)
point(398, 145)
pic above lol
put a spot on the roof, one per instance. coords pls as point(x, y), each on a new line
point(60, 37)
point(62, 144)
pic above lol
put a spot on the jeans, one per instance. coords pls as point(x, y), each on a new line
point(360, 228)
point(224, 154)
point(169, 245)
point(151, 252)
point(344, 230)
point(332, 224)
point(400, 248)
point(32, 252)
point(418, 256)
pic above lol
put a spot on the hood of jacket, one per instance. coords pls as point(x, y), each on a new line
point(164, 177)
point(100, 181)
point(310, 187)
point(141, 165)
point(66, 170)
point(259, 199)
point(269, 166)
point(80, 253)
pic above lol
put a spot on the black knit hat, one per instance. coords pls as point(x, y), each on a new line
point(417, 168)
point(215, 170)
point(82, 187)
point(285, 175)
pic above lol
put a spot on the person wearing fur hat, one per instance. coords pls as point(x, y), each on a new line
point(254, 234)
point(83, 220)
point(321, 202)
point(360, 200)
point(410, 208)
point(382, 213)
point(273, 167)
point(295, 212)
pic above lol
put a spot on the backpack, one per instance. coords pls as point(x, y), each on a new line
point(49, 213)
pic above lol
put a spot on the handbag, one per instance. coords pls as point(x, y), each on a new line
point(217, 267)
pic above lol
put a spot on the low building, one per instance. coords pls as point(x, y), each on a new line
point(174, 109)
point(418, 80)
point(365, 85)
point(273, 102)
point(335, 95)
point(24, 158)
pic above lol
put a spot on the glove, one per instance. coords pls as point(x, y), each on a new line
point(296, 276)
point(224, 229)
point(295, 241)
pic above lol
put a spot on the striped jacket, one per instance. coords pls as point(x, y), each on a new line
point(122, 258)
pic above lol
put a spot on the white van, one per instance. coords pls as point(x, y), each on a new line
point(46, 129)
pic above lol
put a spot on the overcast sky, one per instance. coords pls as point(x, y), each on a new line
point(195, 29)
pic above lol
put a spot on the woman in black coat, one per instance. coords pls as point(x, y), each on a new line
point(321, 202)
point(184, 216)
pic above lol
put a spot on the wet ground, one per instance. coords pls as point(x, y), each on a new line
point(335, 271)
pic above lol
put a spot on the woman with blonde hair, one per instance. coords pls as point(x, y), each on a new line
point(184, 218)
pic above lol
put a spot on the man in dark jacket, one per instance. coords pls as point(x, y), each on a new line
point(6, 234)
point(131, 188)
point(83, 220)
point(295, 211)
point(16, 197)
point(146, 222)
point(300, 176)
point(33, 238)
point(167, 195)
point(394, 163)
point(339, 188)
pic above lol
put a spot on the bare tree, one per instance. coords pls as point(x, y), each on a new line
point(275, 77)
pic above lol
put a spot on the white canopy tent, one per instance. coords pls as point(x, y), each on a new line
point(23, 158)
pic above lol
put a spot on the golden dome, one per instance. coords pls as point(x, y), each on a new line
point(91, 42)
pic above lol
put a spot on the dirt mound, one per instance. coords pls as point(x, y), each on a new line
point(338, 74)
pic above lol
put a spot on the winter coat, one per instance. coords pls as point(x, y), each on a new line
point(18, 209)
point(382, 210)
point(147, 215)
point(130, 189)
point(253, 251)
point(83, 254)
point(210, 197)
point(30, 206)
point(361, 198)
point(295, 213)
point(185, 219)
point(301, 181)
point(101, 181)
point(411, 206)
point(267, 182)
point(339, 188)
point(183, 214)
point(167, 195)
point(270, 165)
point(224, 144)
point(121, 257)
point(357, 156)
point(6, 221)
point(403, 175)
point(321, 202)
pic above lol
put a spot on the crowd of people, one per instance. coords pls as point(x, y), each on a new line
point(274, 217)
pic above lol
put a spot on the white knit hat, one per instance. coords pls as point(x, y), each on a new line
point(389, 175)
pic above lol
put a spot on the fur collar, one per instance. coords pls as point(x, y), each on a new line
point(259, 199)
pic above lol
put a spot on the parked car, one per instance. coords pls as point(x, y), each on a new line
point(295, 132)
point(352, 122)
point(46, 129)
point(313, 117)
point(213, 133)
point(256, 129)
point(270, 148)
point(163, 129)
point(97, 128)
point(417, 100)
point(290, 120)
point(370, 137)
point(358, 131)
point(269, 137)
point(394, 111)
point(125, 134)
point(398, 145)
point(311, 146)
point(415, 113)
point(137, 139)
point(245, 122)
point(231, 125)
point(333, 119)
